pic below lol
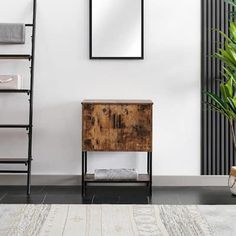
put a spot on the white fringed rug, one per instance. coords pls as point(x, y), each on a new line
point(114, 220)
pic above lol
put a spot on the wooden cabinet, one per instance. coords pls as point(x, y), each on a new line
point(117, 125)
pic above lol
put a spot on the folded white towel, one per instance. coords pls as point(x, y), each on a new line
point(10, 82)
point(116, 174)
point(11, 33)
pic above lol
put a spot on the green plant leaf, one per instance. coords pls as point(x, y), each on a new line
point(229, 88)
point(231, 105)
point(229, 74)
point(225, 59)
point(223, 91)
point(216, 108)
point(225, 103)
point(232, 30)
point(224, 35)
point(231, 2)
point(234, 101)
point(218, 102)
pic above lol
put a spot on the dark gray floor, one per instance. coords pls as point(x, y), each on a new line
point(116, 195)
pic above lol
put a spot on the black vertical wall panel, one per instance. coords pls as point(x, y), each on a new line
point(217, 153)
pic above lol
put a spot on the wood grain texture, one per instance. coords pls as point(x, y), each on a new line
point(117, 127)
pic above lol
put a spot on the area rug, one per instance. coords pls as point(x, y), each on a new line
point(116, 220)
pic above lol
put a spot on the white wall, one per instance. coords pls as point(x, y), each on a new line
point(169, 75)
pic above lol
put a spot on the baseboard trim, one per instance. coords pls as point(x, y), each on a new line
point(76, 180)
point(203, 180)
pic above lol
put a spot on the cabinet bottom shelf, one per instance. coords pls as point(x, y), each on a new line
point(142, 178)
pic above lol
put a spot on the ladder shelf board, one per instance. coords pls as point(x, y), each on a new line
point(14, 91)
point(13, 171)
point(15, 56)
point(15, 126)
point(13, 160)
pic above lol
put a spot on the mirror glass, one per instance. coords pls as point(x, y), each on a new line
point(116, 29)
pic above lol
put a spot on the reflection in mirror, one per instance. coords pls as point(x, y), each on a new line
point(116, 29)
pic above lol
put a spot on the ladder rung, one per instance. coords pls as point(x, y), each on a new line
point(15, 56)
point(14, 91)
point(15, 126)
point(29, 25)
point(13, 171)
point(11, 160)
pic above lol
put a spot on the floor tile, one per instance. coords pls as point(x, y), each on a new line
point(116, 195)
point(63, 198)
point(21, 190)
point(22, 199)
point(106, 200)
point(62, 189)
point(165, 195)
point(119, 195)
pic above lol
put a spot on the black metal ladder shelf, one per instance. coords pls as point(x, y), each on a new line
point(27, 160)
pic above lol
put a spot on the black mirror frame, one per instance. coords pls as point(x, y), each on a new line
point(116, 58)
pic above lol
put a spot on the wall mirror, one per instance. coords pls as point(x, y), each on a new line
point(116, 29)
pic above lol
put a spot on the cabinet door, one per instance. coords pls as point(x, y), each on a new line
point(99, 127)
point(135, 127)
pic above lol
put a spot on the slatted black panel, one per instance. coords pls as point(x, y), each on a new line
point(217, 154)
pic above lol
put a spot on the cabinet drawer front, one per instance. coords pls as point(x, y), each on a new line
point(117, 127)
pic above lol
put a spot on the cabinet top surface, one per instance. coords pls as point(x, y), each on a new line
point(117, 101)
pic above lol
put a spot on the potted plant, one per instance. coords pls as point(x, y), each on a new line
point(226, 102)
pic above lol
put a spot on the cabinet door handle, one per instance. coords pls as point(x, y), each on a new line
point(114, 121)
point(119, 121)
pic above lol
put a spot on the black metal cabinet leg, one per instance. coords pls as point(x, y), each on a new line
point(85, 169)
point(148, 166)
point(150, 173)
point(85, 162)
point(148, 162)
point(82, 174)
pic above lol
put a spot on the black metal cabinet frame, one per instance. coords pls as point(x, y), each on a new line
point(86, 179)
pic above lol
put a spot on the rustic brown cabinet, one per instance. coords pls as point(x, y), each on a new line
point(116, 125)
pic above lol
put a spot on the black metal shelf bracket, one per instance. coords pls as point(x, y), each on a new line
point(29, 92)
